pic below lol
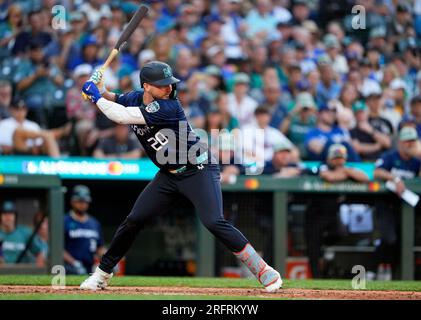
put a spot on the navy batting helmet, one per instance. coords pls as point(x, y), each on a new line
point(157, 73)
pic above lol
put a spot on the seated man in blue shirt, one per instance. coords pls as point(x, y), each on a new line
point(83, 234)
point(396, 165)
point(326, 133)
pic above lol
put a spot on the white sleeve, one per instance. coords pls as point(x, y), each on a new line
point(119, 113)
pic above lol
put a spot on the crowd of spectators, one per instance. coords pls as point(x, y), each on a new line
point(303, 65)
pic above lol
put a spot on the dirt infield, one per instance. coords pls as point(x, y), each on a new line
point(258, 293)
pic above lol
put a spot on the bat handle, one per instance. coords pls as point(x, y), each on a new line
point(110, 58)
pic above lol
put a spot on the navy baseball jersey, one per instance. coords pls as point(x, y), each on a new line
point(404, 169)
point(82, 239)
point(167, 137)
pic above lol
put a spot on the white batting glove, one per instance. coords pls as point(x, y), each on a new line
point(96, 78)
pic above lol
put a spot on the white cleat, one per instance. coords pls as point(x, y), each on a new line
point(98, 280)
point(271, 279)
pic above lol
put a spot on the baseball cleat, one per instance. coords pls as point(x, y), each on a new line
point(270, 279)
point(98, 280)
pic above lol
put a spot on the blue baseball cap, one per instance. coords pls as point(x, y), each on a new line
point(81, 193)
point(90, 40)
point(8, 207)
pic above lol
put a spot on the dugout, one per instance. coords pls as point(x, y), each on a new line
point(36, 193)
point(271, 214)
point(269, 211)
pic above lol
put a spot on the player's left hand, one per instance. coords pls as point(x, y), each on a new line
point(91, 91)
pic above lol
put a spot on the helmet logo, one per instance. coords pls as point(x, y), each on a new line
point(152, 107)
point(167, 72)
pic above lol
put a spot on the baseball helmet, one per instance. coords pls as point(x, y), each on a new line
point(157, 73)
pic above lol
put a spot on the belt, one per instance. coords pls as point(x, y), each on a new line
point(199, 160)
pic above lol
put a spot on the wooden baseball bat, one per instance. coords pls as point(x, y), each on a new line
point(140, 13)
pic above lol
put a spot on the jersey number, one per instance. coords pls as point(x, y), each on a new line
point(158, 141)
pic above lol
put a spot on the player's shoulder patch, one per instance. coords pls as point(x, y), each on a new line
point(152, 107)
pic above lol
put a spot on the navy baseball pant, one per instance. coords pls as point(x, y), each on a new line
point(201, 186)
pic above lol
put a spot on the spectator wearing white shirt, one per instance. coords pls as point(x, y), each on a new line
point(241, 105)
point(271, 137)
point(95, 9)
point(22, 136)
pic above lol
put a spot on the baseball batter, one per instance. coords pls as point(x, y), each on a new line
point(185, 165)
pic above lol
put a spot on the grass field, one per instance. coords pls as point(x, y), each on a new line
point(174, 288)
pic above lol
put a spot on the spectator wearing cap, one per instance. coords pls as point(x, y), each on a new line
point(372, 94)
point(273, 100)
point(282, 164)
point(300, 120)
point(82, 112)
point(260, 20)
point(120, 145)
point(326, 133)
point(5, 99)
point(335, 170)
point(241, 105)
point(295, 77)
point(328, 87)
point(22, 136)
point(333, 50)
point(272, 136)
point(83, 240)
point(306, 63)
point(35, 33)
point(89, 54)
point(397, 26)
point(368, 142)
point(95, 9)
point(37, 80)
point(396, 165)
point(414, 116)
point(15, 238)
point(321, 226)
point(215, 83)
point(400, 95)
point(191, 107)
point(300, 12)
point(378, 41)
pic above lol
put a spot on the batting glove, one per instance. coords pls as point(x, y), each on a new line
point(96, 78)
point(91, 91)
